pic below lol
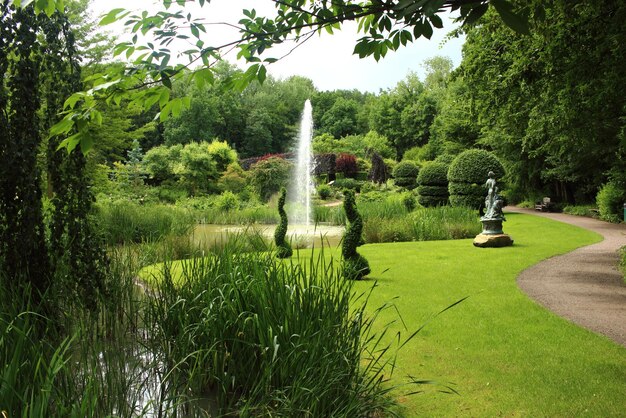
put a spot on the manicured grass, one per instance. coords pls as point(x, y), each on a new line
point(506, 355)
point(503, 353)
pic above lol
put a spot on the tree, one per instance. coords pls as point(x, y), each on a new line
point(341, 119)
point(545, 103)
point(386, 26)
point(39, 64)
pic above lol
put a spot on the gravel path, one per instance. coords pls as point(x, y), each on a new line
point(585, 285)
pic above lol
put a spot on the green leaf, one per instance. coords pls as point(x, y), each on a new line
point(195, 31)
point(86, 143)
point(513, 20)
point(71, 142)
point(112, 16)
point(62, 127)
point(436, 21)
point(475, 14)
point(164, 97)
point(262, 74)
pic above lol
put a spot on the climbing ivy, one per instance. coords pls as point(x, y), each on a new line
point(355, 266)
point(283, 249)
point(39, 63)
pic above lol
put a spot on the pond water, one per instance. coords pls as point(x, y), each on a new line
point(300, 236)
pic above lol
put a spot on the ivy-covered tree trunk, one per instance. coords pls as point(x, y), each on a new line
point(77, 256)
point(22, 239)
point(37, 59)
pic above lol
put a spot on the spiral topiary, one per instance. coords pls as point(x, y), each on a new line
point(355, 266)
point(467, 176)
point(283, 249)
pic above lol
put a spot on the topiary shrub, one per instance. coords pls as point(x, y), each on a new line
point(354, 265)
point(467, 175)
point(432, 183)
point(609, 199)
point(283, 249)
point(405, 174)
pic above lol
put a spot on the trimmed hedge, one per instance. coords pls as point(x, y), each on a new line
point(435, 191)
point(468, 174)
point(433, 184)
point(405, 174)
point(433, 174)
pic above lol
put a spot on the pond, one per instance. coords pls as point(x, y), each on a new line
point(300, 236)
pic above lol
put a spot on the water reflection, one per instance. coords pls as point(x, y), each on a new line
point(300, 236)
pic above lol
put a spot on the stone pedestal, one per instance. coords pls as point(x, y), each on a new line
point(492, 240)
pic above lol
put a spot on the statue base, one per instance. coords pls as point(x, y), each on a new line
point(492, 240)
point(492, 226)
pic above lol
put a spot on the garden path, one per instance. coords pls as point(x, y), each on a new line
point(584, 286)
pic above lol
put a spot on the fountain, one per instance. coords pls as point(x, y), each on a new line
point(302, 186)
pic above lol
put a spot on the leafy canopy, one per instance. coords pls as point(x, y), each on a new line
point(148, 77)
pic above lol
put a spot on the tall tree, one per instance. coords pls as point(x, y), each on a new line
point(547, 102)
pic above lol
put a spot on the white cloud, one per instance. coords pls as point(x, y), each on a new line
point(325, 59)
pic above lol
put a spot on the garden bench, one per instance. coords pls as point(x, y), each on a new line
point(545, 205)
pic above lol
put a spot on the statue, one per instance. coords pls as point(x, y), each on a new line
point(492, 234)
point(493, 201)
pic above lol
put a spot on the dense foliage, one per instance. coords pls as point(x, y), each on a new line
point(269, 175)
point(347, 165)
point(546, 103)
point(467, 175)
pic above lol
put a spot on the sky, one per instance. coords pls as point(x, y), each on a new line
point(325, 59)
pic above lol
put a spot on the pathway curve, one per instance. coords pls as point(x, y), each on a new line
point(585, 285)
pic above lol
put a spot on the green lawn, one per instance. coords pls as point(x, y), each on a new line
point(506, 355)
point(503, 353)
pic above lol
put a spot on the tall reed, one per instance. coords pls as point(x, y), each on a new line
point(126, 222)
point(264, 337)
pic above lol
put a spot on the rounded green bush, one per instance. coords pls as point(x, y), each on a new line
point(472, 166)
point(405, 174)
point(227, 201)
point(283, 249)
point(609, 199)
point(324, 191)
point(467, 175)
point(409, 202)
point(433, 174)
point(354, 265)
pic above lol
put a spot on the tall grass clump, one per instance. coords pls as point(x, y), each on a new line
point(126, 222)
point(423, 224)
point(262, 337)
point(445, 222)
